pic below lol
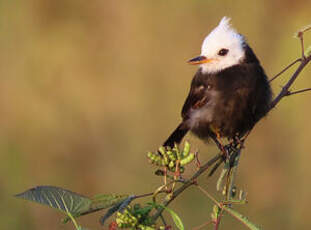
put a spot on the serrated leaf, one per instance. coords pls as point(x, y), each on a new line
point(61, 199)
point(242, 219)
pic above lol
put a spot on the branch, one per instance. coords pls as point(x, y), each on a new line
point(285, 90)
point(285, 69)
point(298, 91)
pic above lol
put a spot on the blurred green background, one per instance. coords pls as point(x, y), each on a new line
point(88, 87)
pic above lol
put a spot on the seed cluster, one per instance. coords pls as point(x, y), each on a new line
point(168, 157)
point(135, 218)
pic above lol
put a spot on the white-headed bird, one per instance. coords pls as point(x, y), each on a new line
point(230, 91)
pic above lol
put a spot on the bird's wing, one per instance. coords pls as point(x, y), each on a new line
point(197, 96)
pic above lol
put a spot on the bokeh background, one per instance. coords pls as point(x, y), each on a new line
point(88, 87)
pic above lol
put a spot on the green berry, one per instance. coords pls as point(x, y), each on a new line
point(162, 150)
point(171, 164)
point(175, 149)
point(165, 160)
point(187, 159)
point(186, 149)
point(171, 156)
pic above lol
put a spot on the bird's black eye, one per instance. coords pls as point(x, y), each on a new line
point(223, 52)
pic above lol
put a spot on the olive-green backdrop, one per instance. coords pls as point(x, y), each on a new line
point(88, 87)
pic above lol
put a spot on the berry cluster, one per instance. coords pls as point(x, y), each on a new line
point(135, 217)
point(168, 157)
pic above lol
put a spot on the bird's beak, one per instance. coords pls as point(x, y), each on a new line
point(199, 60)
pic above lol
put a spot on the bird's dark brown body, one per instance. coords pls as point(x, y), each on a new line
point(227, 103)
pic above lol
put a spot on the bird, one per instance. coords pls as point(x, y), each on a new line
point(229, 93)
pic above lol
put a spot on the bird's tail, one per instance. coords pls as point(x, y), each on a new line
point(176, 136)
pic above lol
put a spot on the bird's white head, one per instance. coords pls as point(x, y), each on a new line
point(222, 48)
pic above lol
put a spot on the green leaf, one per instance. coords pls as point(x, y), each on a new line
point(221, 177)
point(242, 218)
point(179, 224)
point(70, 202)
point(102, 201)
point(58, 198)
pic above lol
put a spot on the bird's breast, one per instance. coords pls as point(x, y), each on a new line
point(198, 117)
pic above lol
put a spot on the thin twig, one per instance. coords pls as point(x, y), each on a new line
point(300, 35)
point(298, 91)
point(219, 162)
point(285, 89)
point(163, 220)
point(220, 205)
point(209, 196)
point(203, 225)
point(144, 195)
point(286, 68)
point(217, 224)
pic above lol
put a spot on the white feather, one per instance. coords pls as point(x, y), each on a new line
point(222, 37)
point(204, 113)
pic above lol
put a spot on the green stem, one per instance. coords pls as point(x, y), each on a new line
point(73, 221)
